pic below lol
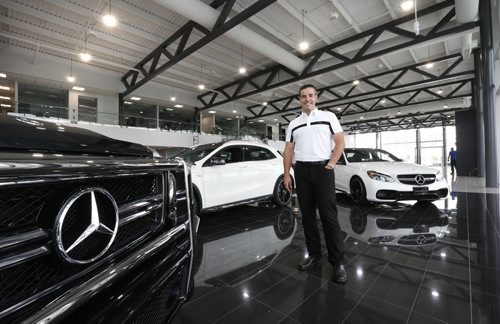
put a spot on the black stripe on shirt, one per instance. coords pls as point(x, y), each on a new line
point(313, 123)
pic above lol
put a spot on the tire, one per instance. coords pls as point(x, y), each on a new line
point(196, 203)
point(358, 191)
point(281, 196)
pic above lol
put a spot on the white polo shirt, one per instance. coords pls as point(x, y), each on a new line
point(312, 135)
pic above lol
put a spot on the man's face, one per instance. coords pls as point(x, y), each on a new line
point(308, 99)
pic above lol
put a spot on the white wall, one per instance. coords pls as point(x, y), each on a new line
point(107, 106)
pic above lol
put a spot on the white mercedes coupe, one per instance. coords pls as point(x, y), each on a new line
point(376, 175)
point(231, 173)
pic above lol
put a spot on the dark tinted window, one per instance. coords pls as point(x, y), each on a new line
point(231, 154)
point(256, 153)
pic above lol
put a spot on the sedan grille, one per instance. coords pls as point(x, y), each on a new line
point(417, 179)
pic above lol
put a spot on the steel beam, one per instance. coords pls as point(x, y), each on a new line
point(226, 93)
point(149, 65)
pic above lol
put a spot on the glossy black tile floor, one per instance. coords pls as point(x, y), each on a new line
point(407, 263)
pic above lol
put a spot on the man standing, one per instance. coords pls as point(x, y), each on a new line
point(452, 157)
point(309, 137)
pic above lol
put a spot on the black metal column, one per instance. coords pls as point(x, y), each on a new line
point(121, 118)
point(490, 130)
point(477, 101)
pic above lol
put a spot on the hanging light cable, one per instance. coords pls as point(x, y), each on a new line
point(356, 81)
point(304, 45)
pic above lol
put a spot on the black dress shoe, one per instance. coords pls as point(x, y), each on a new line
point(340, 274)
point(309, 264)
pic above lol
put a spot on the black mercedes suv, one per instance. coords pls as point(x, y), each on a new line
point(91, 229)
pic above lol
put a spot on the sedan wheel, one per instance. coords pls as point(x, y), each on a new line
point(281, 196)
point(358, 191)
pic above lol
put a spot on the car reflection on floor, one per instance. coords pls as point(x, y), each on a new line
point(397, 224)
point(233, 250)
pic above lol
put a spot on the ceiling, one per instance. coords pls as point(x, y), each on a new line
point(349, 39)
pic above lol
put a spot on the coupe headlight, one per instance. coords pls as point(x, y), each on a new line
point(379, 176)
point(439, 176)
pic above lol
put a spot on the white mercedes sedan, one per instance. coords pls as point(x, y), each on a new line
point(231, 173)
point(376, 175)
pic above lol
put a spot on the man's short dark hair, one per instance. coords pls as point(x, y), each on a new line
point(308, 86)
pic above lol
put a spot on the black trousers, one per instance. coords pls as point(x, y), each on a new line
point(315, 187)
point(453, 164)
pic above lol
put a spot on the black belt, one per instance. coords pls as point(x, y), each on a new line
point(311, 163)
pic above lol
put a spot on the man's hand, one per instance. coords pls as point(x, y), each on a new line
point(288, 182)
point(329, 166)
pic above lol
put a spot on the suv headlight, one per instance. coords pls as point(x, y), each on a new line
point(439, 176)
point(379, 176)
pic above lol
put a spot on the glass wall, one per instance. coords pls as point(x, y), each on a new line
point(7, 96)
point(176, 119)
point(87, 109)
point(138, 114)
point(401, 143)
point(42, 101)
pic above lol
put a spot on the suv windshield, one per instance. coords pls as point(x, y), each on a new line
point(197, 153)
point(369, 155)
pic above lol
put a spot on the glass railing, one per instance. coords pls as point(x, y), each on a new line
point(128, 120)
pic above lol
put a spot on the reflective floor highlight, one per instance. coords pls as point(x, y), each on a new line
point(407, 263)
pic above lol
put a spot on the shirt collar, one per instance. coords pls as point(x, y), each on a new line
point(313, 113)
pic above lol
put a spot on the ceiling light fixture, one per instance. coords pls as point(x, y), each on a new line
point(304, 44)
point(440, 91)
point(127, 102)
point(178, 106)
point(135, 98)
point(85, 56)
point(78, 88)
point(201, 86)
point(264, 103)
point(407, 5)
point(382, 101)
point(6, 105)
point(71, 77)
point(356, 81)
point(242, 69)
point(212, 112)
point(4, 97)
point(3, 75)
point(172, 98)
point(4, 88)
point(109, 20)
point(234, 111)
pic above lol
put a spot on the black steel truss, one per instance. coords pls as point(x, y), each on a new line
point(414, 120)
point(281, 105)
point(279, 75)
point(356, 106)
point(149, 65)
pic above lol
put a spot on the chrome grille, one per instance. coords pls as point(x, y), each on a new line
point(28, 261)
point(410, 179)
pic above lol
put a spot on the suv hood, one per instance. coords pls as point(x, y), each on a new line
point(25, 134)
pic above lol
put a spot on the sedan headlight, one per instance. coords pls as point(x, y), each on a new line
point(379, 176)
point(439, 176)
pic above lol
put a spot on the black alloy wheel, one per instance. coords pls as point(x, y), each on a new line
point(358, 191)
point(281, 196)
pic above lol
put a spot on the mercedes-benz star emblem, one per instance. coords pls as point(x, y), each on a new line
point(86, 225)
point(421, 239)
point(419, 179)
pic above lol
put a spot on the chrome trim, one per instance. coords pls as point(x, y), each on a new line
point(23, 256)
point(80, 294)
point(188, 223)
point(140, 214)
point(136, 204)
point(49, 178)
point(21, 238)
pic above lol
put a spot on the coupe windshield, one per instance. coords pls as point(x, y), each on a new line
point(197, 153)
point(369, 155)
